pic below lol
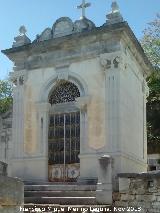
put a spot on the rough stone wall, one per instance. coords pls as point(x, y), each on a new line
point(138, 193)
point(11, 192)
point(5, 135)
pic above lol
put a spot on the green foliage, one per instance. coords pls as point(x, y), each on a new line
point(5, 95)
point(151, 42)
point(153, 112)
point(151, 45)
point(158, 161)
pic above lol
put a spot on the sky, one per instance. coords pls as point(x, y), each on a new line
point(37, 15)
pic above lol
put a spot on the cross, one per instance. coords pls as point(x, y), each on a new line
point(83, 6)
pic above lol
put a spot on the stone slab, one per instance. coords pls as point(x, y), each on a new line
point(61, 200)
point(60, 187)
point(11, 194)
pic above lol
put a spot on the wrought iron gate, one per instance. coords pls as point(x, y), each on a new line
point(64, 147)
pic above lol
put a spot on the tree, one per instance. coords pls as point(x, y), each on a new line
point(151, 45)
point(151, 42)
point(5, 95)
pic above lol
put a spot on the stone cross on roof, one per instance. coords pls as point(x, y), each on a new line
point(83, 6)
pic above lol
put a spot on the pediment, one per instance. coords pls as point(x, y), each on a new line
point(62, 27)
point(46, 35)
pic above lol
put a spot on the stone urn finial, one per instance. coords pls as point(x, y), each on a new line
point(115, 7)
point(22, 30)
point(21, 39)
point(114, 16)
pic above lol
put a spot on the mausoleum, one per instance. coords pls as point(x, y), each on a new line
point(79, 96)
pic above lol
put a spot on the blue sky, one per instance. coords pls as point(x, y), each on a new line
point(37, 15)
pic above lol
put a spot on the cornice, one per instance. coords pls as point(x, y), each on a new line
point(97, 41)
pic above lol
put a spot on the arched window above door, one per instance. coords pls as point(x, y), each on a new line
point(65, 91)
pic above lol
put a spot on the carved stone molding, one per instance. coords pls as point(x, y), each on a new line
point(46, 35)
point(43, 107)
point(79, 104)
point(18, 78)
point(82, 102)
point(105, 63)
point(112, 61)
point(62, 27)
point(62, 72)
point(83, 24)
point(117, 61)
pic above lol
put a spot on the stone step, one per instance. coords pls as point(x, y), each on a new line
point(60, 187)
point(57, 183)
point(59, 193)
point(61, 200)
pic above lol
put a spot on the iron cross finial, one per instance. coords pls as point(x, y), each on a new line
point(83, 6)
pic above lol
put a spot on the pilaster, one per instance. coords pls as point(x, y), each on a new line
point(82, 103)
point(43, 120)
point(111, 66)
point(18, 78)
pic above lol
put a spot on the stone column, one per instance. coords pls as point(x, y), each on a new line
point(104, 185)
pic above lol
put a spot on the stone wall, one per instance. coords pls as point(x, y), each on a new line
point(11, 192)
point(5, 136)
point(138, 193)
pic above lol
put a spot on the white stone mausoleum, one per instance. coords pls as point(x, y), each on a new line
point(79, 96)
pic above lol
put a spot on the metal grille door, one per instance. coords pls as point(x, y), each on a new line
point(64, 147)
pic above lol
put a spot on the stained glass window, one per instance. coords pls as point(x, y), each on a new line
point(64, 92)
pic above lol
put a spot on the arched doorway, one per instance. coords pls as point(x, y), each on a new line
point(64, 133)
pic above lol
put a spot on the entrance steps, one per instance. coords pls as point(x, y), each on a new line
point(60, 194)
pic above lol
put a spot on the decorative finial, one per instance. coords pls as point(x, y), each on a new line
point(21, 39)
point(115, 7)
point(114, 16)
point(83, 6)
point(22, 30)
